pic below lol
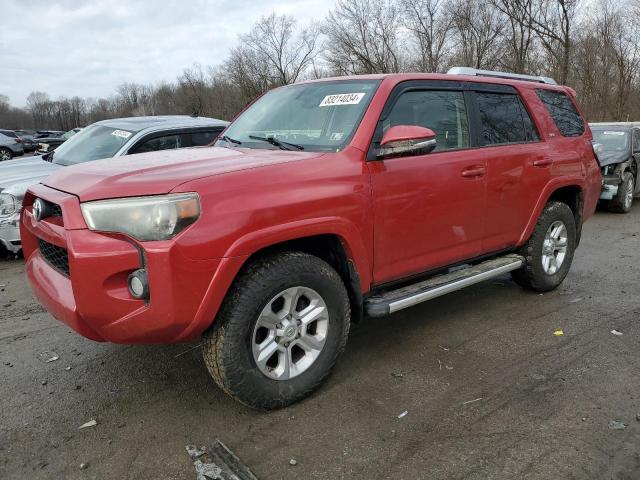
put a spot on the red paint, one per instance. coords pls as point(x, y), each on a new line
point(395, 218)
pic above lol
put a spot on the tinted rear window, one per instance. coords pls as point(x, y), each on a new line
point(563, 112)
point(504, 119)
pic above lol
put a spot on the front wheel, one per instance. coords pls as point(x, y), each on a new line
point(623, 200)
point(279, 331)
point(5, 154)
point(549, 251)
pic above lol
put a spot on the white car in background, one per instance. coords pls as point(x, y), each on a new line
point(105, 139)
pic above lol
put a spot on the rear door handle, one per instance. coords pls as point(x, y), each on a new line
point(475, 171)
point(542, 162)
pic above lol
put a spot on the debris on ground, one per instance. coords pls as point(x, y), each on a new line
point(403, 414)
point(444, 349)
point(218, 463)
point(43, 382)
point(558, 333)
point(48, 357)
point(84, 466)
point(67, 368)
point(397, 374)
point(293, 462)
point(617, 425)
point(575, 300)
point(616, 332)
point(90, 423)
point(472, 401)
point(187, 351)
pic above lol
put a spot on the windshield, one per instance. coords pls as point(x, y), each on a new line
point(319, 116)
point(612, 141)
point(91, 143)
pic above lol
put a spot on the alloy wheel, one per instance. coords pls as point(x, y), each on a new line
point(290, 333)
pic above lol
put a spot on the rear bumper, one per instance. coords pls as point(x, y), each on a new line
point(94, 299)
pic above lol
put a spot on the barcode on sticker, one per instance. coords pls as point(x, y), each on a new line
point(342, 99)
point(121, 133)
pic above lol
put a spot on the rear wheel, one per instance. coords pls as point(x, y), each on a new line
point(5, 154)
point(549, 251)
point(280, 330)
point(623, 200)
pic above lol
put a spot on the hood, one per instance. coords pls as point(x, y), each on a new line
point(611, 158)
point(18, 175)
point(156, 173)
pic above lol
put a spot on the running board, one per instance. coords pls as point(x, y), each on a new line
point(394, 300)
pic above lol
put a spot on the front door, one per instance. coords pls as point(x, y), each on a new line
point(428, 209)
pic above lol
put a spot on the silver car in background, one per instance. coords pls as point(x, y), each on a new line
point(10, 146)
point(105, 139)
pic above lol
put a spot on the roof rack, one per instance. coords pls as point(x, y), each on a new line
point(491, 73)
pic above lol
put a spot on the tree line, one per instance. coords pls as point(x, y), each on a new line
point(591, 45)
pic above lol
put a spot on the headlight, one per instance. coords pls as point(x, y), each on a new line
point(143, 218)
point(9, 204)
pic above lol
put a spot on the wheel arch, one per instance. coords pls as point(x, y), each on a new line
point(331, 248)
point(572, 194)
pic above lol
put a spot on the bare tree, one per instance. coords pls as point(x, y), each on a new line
point(478, 28)
point(363, 37)
point(431, 26)
point(519, 36)
point(273, 53)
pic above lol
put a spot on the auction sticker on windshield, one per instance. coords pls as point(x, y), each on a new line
point(121, 133)
point(613, 133)
point(342, 99)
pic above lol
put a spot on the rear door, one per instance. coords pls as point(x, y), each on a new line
point(518, 164)
point(428, 209)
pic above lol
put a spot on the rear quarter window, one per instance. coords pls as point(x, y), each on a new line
point(563, 112)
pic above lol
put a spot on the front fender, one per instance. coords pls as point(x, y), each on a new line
point(242, 249)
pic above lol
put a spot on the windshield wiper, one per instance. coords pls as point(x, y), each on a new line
point(230, 140)
point(278, 143)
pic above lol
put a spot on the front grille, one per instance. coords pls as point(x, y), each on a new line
point(56, 211)
point(55, 256)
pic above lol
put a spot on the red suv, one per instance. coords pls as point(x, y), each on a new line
point(324, 201)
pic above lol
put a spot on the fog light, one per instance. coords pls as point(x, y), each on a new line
point(139, 285)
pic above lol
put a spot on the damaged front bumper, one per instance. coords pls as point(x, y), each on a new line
point(611, 180)
point(10, 233)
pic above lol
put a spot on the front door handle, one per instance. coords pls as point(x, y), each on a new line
point(475, 171)
point(542, 162)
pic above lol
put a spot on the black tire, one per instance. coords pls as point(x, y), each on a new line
point(533, 276)
point(623, 200)
point(227, 347)
point(5, 154)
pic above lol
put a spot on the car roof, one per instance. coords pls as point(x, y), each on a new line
point(620, 128)
point(161, 122)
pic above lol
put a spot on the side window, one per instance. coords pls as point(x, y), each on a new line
point(504, 119)
point(636, 141)
point(199, 139)
point(443, 112)
point(159, 143)
point(563, 112)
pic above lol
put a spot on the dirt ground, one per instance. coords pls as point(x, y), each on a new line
point(490, 392)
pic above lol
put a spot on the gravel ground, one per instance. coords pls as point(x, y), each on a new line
point(490, 391)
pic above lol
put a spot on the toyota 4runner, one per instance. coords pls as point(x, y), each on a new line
point(324, 201)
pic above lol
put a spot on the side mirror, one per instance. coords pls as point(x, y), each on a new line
point(403, 140)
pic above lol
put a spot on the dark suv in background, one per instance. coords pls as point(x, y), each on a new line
point(619, 154)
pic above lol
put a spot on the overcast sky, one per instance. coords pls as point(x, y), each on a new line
point(88, 47)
